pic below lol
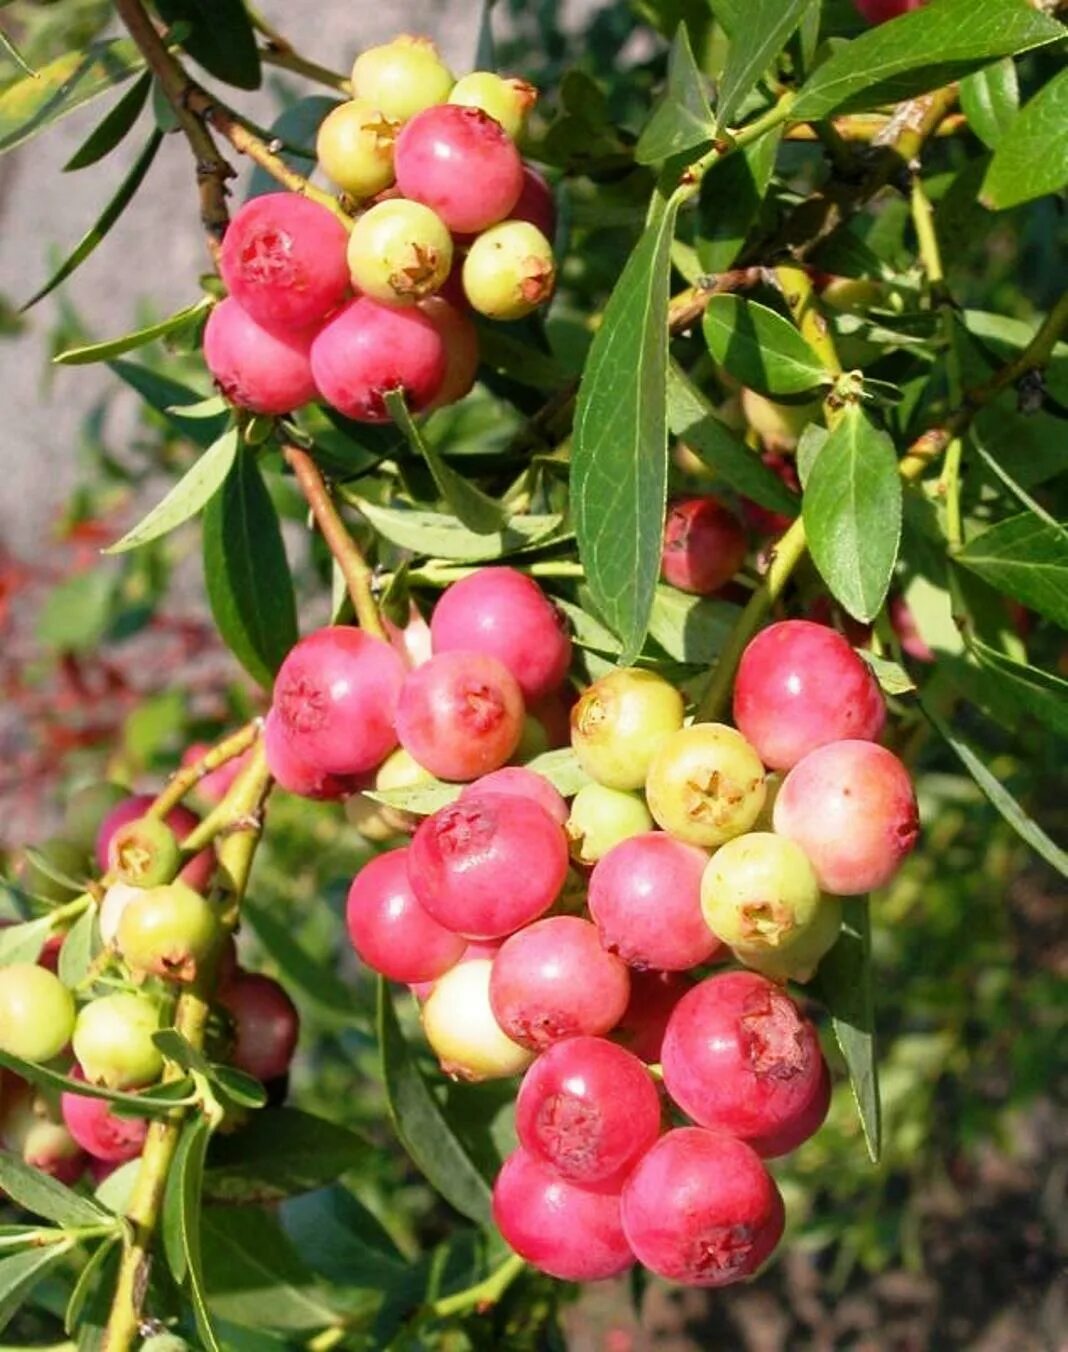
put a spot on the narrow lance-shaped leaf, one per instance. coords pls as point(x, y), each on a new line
point(767, 26)
point(923, 50)
point(990, 100)
point(619, 448)
point(296, 128)
point(16, 56)
point(112, 129)
point(21, 1272)
point(470, 505)
point(436, 536)
point(761, 348)
point(682, 119)
point(115, 347)
point(111, 213)
point(43, 1196)
point(852, 513)
point(151, 1102)
point(1032, 153)
point(199, 483)
point(220, 36)
point(1027, 557)
point(732, 191)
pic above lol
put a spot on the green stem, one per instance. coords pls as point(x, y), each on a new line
point(484, 1293)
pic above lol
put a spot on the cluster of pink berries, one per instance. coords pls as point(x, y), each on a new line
point(561, 940)
point(447, 218)
point(156, 934)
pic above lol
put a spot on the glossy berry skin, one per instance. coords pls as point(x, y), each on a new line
point(799, 686)
point(36, 1012)
point(460, 715)
point(169, 932)
point(254, 368)
point(653, 997)
point(588, 1109)
point(536, 203)
point(739, 1056)
point(798, 1130)
point(399, 252)
point(299, 776)
point(402, 77)
point(645, 898)
point(366, 349)
point(283, 261)
point(113, 1040)
point(619, 722)
point(701, 1208)
point(519, 782)
point(505, 614)
point(601, 818)
point(574, 1234)
point(354, 146)
point(879, 11)
point(487, 865)
point(100, 1132)
point(266, 1024)
point(852, 809)
point(334, 700)
point(462, 164)
point(705, 784)
point(704, 546)
point(760, 895)
point(145, 852)
point(553, 980)
point(461, 1028)
point(509, 270)
point(390, 930)
point(197, 873)
point(460, 339)
point(508, 101)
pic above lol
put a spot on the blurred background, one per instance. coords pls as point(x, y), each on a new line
point(957, 1239)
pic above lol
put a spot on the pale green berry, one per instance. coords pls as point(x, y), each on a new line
point(355, 148)
point(508, 101)
point(36, 1012)
point(705, 784)
point(619, 722)
point(509, 270)
point(399, 252)
point(402, 77)
point(602, 817)
point(113, 1040)
point(168, 931)
point(461, 1029)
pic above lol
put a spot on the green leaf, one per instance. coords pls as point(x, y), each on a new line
point(296, 128)
point(692, 629)
point(282, 1151)
point(16, 55)
point(990, 100)
point(23, 943)
point(503, 352)
point(107, 218)
point(421, 799)
point(1010, 483)
point(115, 347)
point(754, 44)
point(196, 487)
point(1031, 158)
point(170, 399)
point(87, 1279)
point(809, 445)
point(80, 946)
point(732, 191)
point(110, 132)
point(999, 796)
point(302, 973)
point(682, 119)
point(337, 1236)
point(469, 504)
point(844, 984)
point(30, 105)
point(242, 1089)
point(760, 347)
point(182, 1221)
point(923, 50)
point(248, 581)
point(852, 513)
point(1048, 682)
point(21, 1272)
point(79, 611)
point(619, 447)
point(220, 37)
point(562, 769)
point(43, 1196)
point(177, 1048)
point(1027, 558)
point(421, 1125)
point(150, 1103)
point(443, 537)
point(893, 678)
point(692, 419)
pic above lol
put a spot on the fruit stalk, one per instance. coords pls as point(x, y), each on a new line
point(346, 552)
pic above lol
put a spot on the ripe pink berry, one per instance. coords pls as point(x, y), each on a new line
point(197, 873)
point(589, 1109)
point(518, 782)
point(254, 368)
point(99, 1131)
point(460, 338)
point(335, 697)
point(572, 1233)
point(390, 930)
point(536, 204)
point(852, 809)
point(878, 11)
point(367, 349)
point(266, 1024)
point(806, 1123)
point(504, 613)
point(283, 261)
point(704, 545)
point(645, 897)
point(653, 997)
point(460, 162)
point(298, 776)
point(553, 980)
point(701, 1208)
point(460, 715)
point(800, 685)
point(739, 1056)
point(485, 866)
